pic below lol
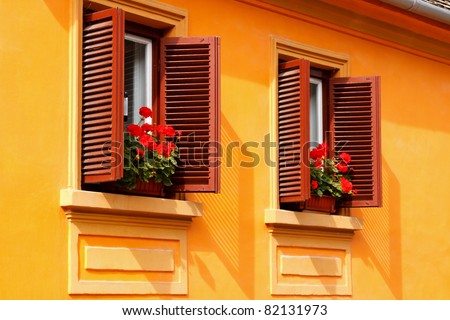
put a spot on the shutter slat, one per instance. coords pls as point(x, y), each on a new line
point(104, 85)
point(100, 24)
point(97, 109)
point(99, 57)
point(355, 123)
point(96, 70)
point(190, 96)
point(93, 172)
point(96, 54)
point(293, 131)
point(102, 89)
point(102, 97)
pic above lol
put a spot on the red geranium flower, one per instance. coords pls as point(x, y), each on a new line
point(147, 127)
point(345, 157)
point(170, 146)
point(147, 141)
point(159, 128)
point(169, 131)
point(318, 163)
point(314, 184)
point(313, 154)
point(342, 167)
point(165, 149)
point(145, 112)
point(323, 146)
point(346, 185)
point(319, 152)
point(134, 130)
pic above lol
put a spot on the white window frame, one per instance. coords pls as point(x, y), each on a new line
point(316, 112)
point(147, 70)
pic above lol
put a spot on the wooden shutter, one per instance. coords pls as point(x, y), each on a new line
point(293, 131)
point(102, 90)
point(355, 126)
point(190, 102)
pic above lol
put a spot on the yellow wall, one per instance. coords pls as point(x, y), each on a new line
point(402, 252)
point(33, 163)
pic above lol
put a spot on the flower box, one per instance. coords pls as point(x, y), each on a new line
point(150, 188)
point(326, 204)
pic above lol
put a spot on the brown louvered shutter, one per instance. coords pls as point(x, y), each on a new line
point(355, 126)
point(293, 131)
point(190, 102)
point(102, 91)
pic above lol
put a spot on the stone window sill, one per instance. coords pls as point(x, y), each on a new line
point(305, 220)
point(97, 202)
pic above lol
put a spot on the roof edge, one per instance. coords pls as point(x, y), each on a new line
point(422, 8)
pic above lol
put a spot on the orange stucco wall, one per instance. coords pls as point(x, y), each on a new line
point(34, 83)
point(402, 252)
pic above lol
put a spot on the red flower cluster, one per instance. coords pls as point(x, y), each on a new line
point(146, 133)
point(330, 175)
point(146, 112)
point(346, 185)
point(165, 149)
point(319, 152)
point(135, 130)
point(150, 152)
point(147, 127)
point(342, 167)
point(345, 157)
point(148, 142)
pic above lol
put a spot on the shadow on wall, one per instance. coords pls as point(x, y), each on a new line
point(380, 240)
point(60, 11)
point(225, 236)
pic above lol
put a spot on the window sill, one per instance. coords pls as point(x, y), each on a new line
point(121, 244)
point(98, 202)
point(313, 221)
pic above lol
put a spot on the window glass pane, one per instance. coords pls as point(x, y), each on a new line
point(315, 112)
point(137, 76)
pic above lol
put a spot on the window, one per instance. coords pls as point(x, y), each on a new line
point(314, 106)
point(120, 69)
point(315, 111)
point(137, 76)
